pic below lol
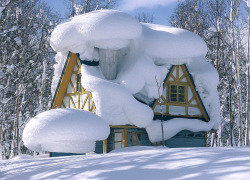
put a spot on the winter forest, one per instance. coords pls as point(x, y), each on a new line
point(27, 61)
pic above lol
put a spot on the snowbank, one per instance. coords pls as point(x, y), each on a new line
point(22, 156)
point(144, 54)
point(145, 163)
point(175, 125)
point(65, 130)
point(114, 103)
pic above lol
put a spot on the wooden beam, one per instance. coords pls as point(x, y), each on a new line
point(104, 148)
point(123, 126)
point(125, 137)
point(62, 88)
point(195, 93)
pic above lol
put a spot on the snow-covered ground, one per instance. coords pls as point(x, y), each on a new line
point(136, 163)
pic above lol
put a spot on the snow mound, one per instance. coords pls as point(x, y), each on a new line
point(172, 45)
point(65, 130)
point(115, 103)
point(109, 29)
point(175, 125)
point(22, 156)
point(141, 74)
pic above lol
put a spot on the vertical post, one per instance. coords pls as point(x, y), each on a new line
point(104, 146)
point(125, 137)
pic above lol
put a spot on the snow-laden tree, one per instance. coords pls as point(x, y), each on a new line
point(145, 17)
point(77, 7)
point(26, 68)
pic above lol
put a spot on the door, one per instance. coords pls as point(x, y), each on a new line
point(118, 139)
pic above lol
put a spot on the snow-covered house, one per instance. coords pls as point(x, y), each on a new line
point(110, 64)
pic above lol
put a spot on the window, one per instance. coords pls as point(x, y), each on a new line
point(78, 83)
point(136, 139)
point(177, 93)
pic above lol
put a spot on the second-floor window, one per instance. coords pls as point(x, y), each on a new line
point(177, 93)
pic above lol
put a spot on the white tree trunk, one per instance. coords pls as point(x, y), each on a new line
point(238, 82)
point(247, 85)
point(236, 65)
point(108, 63)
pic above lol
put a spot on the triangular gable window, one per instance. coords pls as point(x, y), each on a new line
point(179, 96)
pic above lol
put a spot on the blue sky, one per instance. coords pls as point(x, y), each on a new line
point(162, 9)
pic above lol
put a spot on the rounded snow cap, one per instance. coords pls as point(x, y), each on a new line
point(92, 28)
point(65, 130)
point(172, 45)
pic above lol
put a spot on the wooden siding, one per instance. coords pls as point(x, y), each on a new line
point(58, 154)
point(99, 147)
point(187, 139)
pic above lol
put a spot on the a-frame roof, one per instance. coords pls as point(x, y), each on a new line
point(72, 60)
point(189, 80)
point(69, 66)
point(64, 80)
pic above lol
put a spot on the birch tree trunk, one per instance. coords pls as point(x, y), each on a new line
point(247, 85)
point(231, 123)
point(17, 150)
point(238, 82)
point(41, 101)
point(236, 64)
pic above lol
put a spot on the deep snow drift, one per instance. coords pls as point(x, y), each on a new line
point(65, 130)
point(136, 163)
point(144, 54)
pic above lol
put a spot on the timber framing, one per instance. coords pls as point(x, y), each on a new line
point(185, 81)
point(78, 98)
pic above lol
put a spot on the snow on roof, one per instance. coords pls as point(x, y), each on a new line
point(206, 79)
point(145, 54)
point(65, 130)
point(109, 29)
point(172, 45)
point(112, 29)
